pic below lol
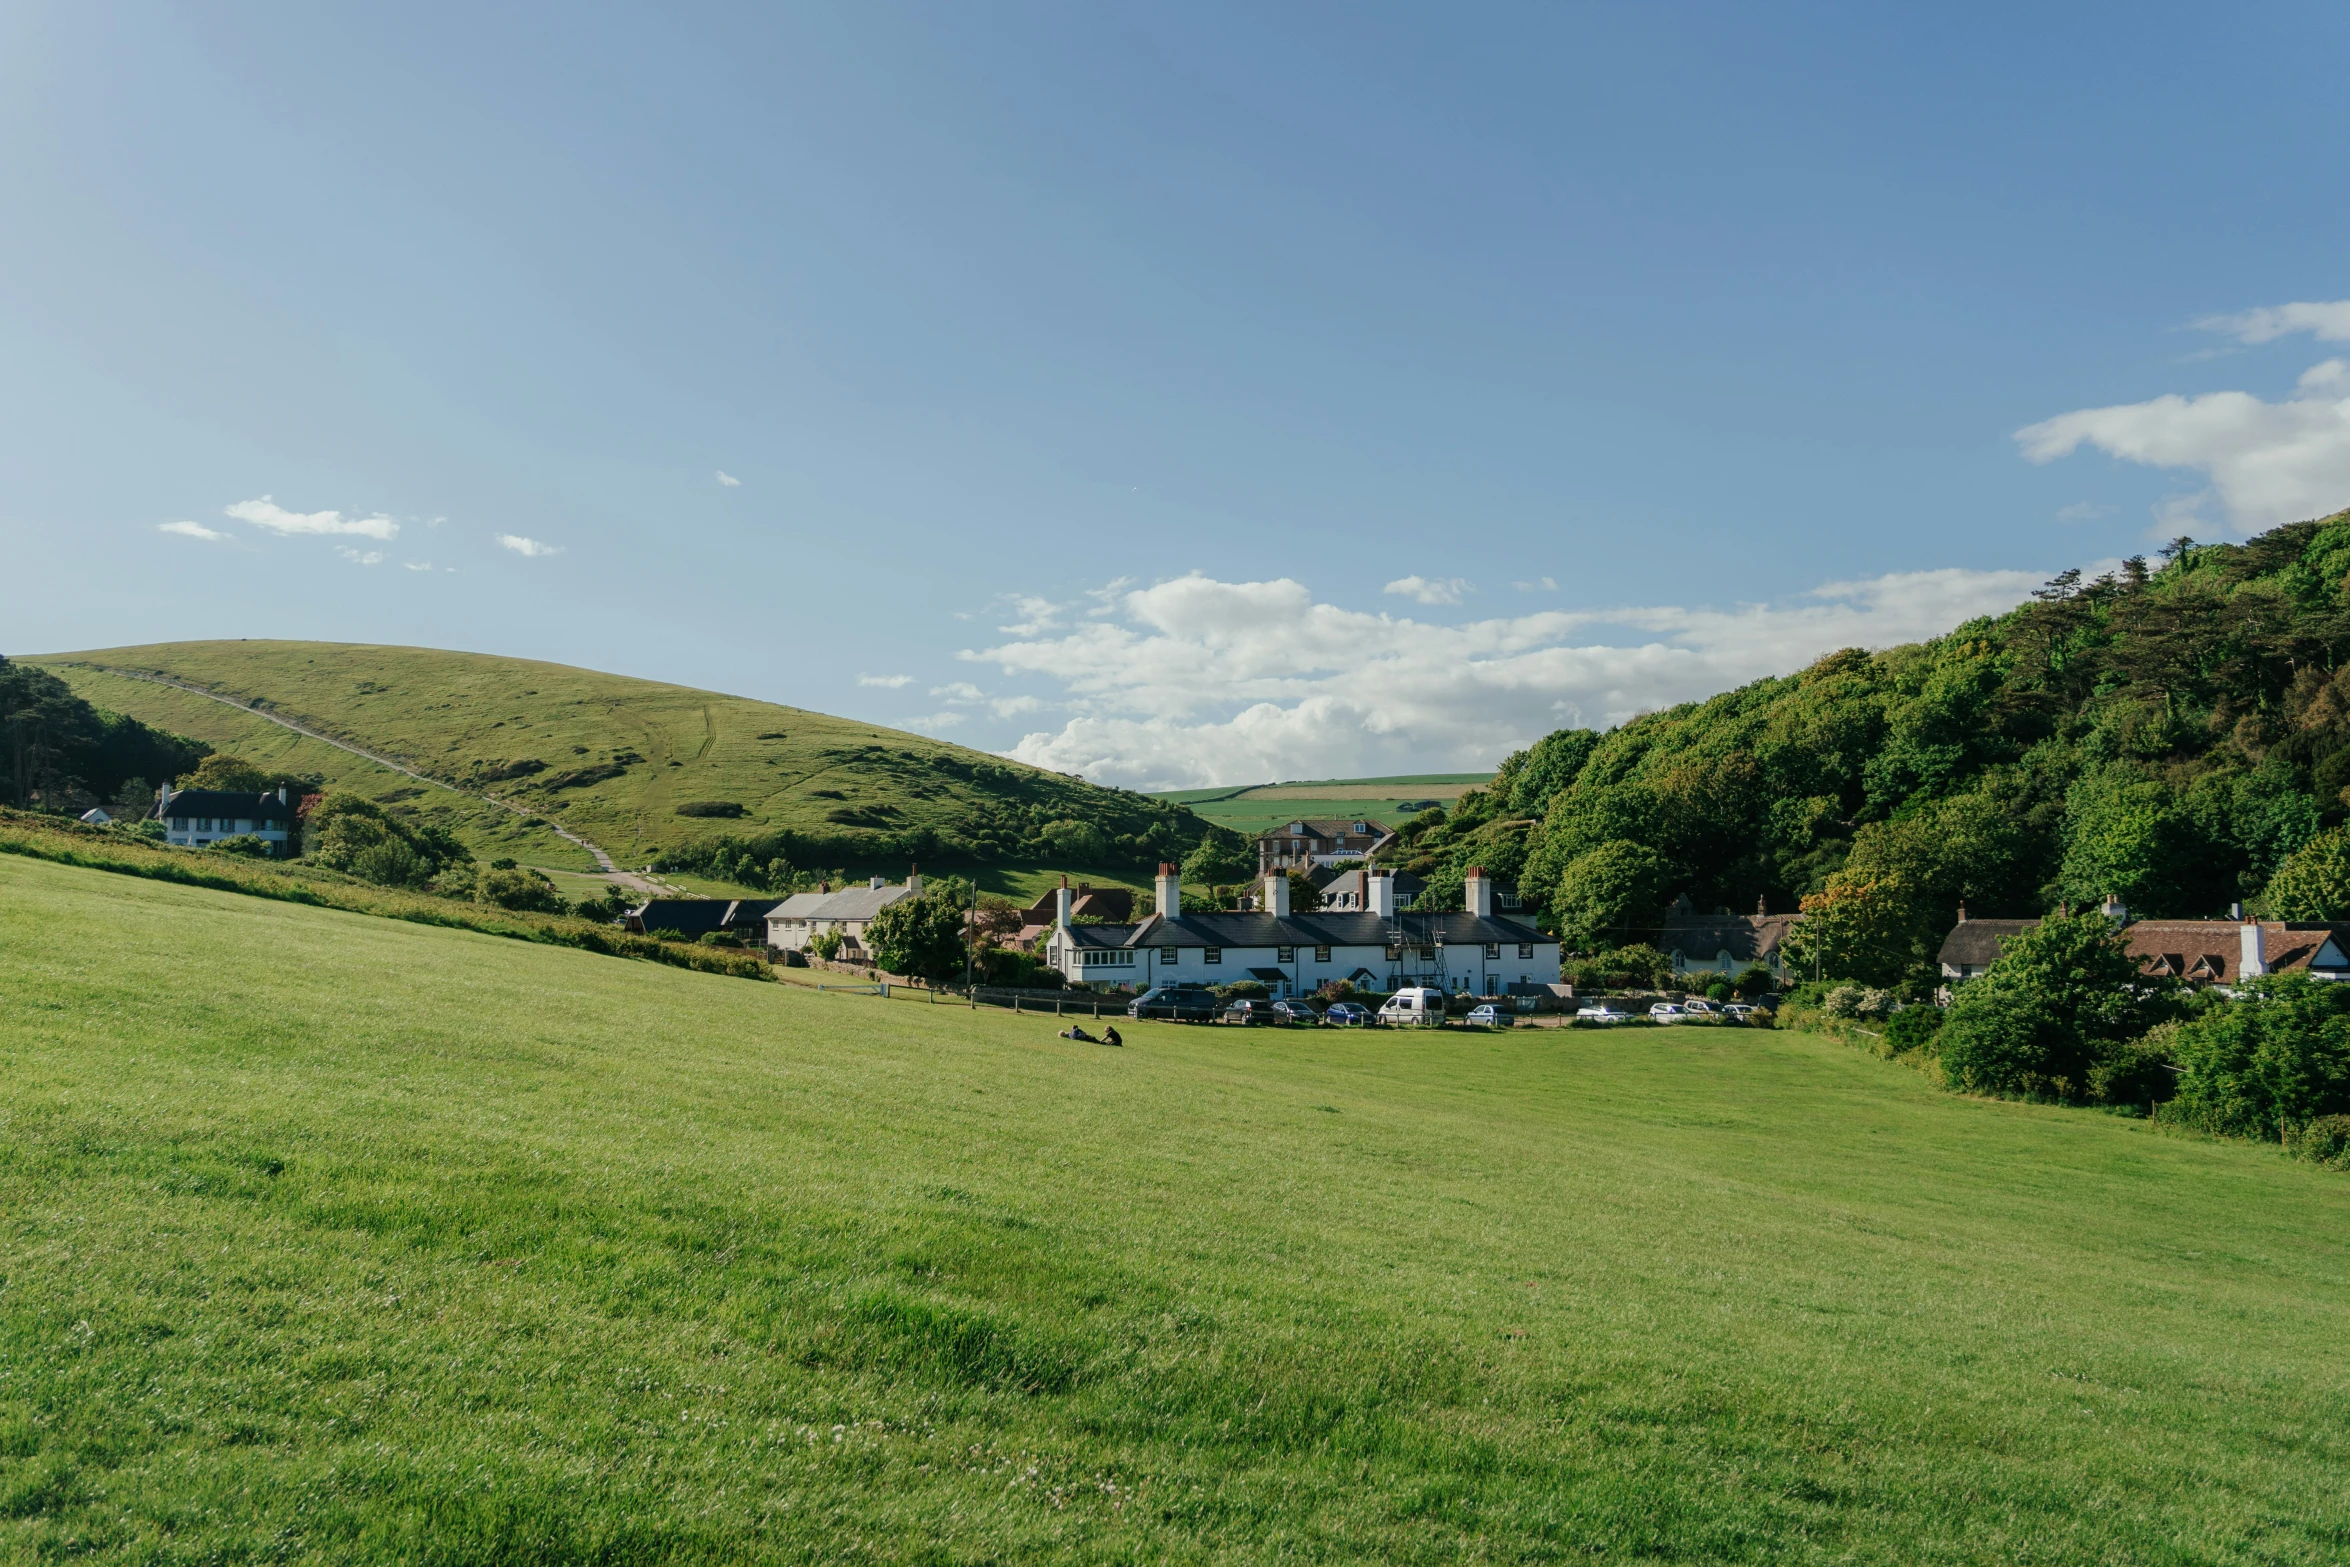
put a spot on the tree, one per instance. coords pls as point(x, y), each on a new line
point(223, 771)
point(1609, 896)
point(355, 835)
point(2314, 881)
point(2060, 999)
point(1221, 858)
point(920, 936)
point(522, 890)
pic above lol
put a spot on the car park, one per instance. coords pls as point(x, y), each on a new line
point(1178, 1003)
point(1491, 1016)
point(1349, 1014)
point(1252, 1013)
point(1667, 1012)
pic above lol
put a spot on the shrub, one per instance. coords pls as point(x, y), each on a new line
point(355, 835)
point(922, 936)
point(719, 938)
point(1755, 983)
point(2271, 1061)
point(2325, 1141)
point(250, 845)
point(1912, 1028)
point(1243, 990)
point(2061, 998)
point(826, 944)
point(526, 891)
point(726, 808)
point(1856, 1001)
point(1721, 990)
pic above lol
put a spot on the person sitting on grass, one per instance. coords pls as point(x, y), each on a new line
point(1110, 1037)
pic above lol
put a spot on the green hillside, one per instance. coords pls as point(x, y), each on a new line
point(1259, 808)
point(618, 759)
point(2175, 734)
point(337, 1239)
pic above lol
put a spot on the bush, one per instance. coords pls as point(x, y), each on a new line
point(2061, 999)
point(2271, 1061)
point(2325, 1141)
point(1755, 983)
point(1721, 990)
point(725, 808)
point(719, 938)
point(526, 891)
point(1856, 1001)
point(250, 845)
point(1912, 1028)
point(355, 835)
point(922, 936)
point(1243, 990)
point(826, 944)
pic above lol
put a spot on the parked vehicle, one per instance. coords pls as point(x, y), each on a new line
point(1349, 1014)
point(1599, 1012)
point(1250, 1012)
point(1298, 1012)
point(1739, 1011)
point(1414, 1006)
point(1666, 1012)
point(1180, 1003)
point(1698, 1006)
point(1491, 1016)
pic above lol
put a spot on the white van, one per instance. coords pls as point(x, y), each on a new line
point(1413, 1006)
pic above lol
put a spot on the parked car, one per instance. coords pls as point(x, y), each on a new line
point(1739, 1011)
point(1298, 1012)
point(1414, 1005)
point(1698, 1006)
point(1181, 1003)
point(1491, 1016)
point(1250, 1012)
point(1666, 1012)
point(1599, 1012)
point(1349, 1014)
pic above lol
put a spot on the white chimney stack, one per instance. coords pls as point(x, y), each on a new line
point(914, 880)
point(2254, 960)
point(1061, 902)
point(877, 882)
point(1380, 887)
point(1277, 894)
point(1477, 893)
point(2115, 910)
point(1168, 891)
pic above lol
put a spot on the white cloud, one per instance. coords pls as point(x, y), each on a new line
point(959, 691)
point(417, 565)
point(1431, 590)
point(532, 547)
point(360, 557)
point(729, 480)
point(2328, 322)
point(1036, 614)
point(190, 530)
point(267, 513)
point(1015, 706)
point(1538, 585)
point(886, 682)
point(1200, 682)
point(2268, 463)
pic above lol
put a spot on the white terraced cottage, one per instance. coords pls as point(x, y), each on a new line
point(1382, 948)
point(199, 816)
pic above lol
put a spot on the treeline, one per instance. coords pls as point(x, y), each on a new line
point(2176, 734)
point(65, 756)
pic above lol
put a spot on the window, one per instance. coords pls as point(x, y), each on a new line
point(1427, 954)
point(1211, 955)
point(179, 824)
point(1525, 949)
point(1170, 954)
point(1508, 900)
point(1321, 954)
point(1394, 954)
point(1492, 950)
point(1285, 954)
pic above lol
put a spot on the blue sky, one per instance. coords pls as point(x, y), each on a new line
point(1175, 394)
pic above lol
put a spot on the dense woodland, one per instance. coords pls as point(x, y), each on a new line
point(2176, 734)
point(65, 755)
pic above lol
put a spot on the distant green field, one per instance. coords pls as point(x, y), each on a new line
point(337, 1239)
point(610, 756)
point(1261, 807)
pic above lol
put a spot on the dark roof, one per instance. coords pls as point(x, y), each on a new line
point(1109, 903)
point(225, 802)
point(1976, 943)
point(2213, 950)
point(1271, 976)
point(1344, 928)
point(1748, 938)
point(694, 916)
point(1326, 827)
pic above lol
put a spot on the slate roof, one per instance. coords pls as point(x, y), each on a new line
point(1343, 928)
point(1748, 938)
point(696, 916)
point(233, 803)
point(859, 903)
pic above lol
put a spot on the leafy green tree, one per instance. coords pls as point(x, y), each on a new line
point(1610, 895)
point(223, 771)
point(1221, 858)
point(2061, 998)
point(356, 835)
point(522, 890)
point(923, 936)
point(2314, 882)
point(2267, 1063)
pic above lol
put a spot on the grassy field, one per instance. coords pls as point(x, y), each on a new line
point(611, 756)
point(329, 1238)
point(1265, 806)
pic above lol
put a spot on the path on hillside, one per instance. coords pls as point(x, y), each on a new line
point(630, 879)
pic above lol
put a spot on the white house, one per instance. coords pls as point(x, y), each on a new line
point(195, 817)
point(798, 920)
point(1381, 948)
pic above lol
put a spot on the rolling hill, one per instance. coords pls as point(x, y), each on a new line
point(637, 766)
point(1256, 809)
point(404, 1244)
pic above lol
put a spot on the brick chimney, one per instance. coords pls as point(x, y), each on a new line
point(1168, 891)
point(1477, 893)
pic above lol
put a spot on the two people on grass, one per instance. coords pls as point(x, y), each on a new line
point(1078, 1033)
